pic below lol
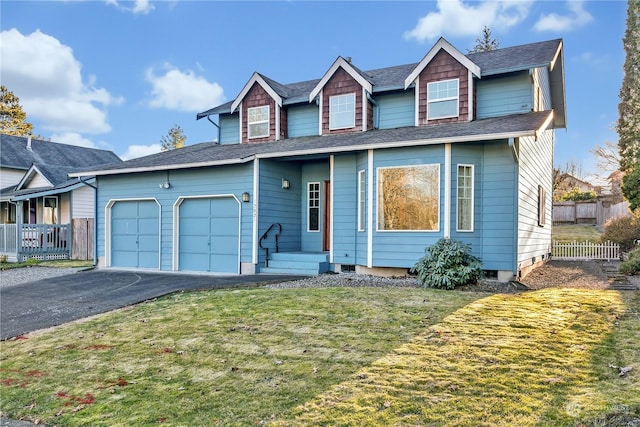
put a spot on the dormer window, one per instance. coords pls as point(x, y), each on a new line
point(442, 99)
point(258, 122)
point(342, 111)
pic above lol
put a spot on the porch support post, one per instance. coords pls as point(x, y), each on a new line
point(331, 166)
point(18, 230)
point(254, 199)
point(447, 191)
point(370, 209)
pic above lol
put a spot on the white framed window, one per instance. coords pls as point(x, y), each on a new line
point(362, 200)
point(409, 198)
point(342, 111)
point(442, 99)
point(313, 206)
point(465, 198)
point(258, 122)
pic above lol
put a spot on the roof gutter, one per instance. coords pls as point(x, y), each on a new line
point(376, 110)
point(216, 125)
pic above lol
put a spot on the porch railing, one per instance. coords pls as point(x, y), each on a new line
point(40, 241)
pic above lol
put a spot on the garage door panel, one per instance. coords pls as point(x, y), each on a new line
point(124, 226)
point(135, 234)
point(225, 226)
point(224, 263)
point(209, 232)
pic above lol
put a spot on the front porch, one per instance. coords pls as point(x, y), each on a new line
point(20, 242)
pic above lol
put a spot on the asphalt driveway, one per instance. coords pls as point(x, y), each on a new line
point(50, 302)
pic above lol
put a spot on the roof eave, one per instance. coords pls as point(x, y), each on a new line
point(162, 167)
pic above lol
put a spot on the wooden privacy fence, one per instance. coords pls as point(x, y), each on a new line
point(581, 251)
point(82, 238)
point(588, 212)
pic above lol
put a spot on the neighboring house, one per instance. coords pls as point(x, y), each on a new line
point(44, 214)
point(361, 168)
point(567, 182)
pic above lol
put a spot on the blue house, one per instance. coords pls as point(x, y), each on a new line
point(354, 170)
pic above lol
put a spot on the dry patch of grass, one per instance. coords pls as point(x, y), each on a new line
point(336, 356)
point(577, 232)
point(231, 357)
point(539, 358)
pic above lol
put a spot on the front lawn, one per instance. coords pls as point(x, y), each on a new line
point(334, 356)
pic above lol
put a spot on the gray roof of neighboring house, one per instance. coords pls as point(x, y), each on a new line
point(54, 160)
point(498, 61)
point(211, 154)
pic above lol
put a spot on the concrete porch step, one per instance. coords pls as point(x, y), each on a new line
point(305, 263)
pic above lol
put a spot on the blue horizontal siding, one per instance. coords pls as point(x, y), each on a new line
point(277, 205)
point(504, 95)
point(303, 120)
point(345, 202)
point(396, 110)
point(229, 128)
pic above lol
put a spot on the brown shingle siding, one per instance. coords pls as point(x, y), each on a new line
point(258, 97)
point(444, 67)
point(341, 83)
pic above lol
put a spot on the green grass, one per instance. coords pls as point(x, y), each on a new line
point(63, 263)
point(336, 356)
point(578, 232)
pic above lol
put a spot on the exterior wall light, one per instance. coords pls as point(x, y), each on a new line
point(245, 197)
point(285, 183)
point(166, 185)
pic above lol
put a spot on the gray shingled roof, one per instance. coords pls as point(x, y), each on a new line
point(499, 61)
point(54, 160)
point(209, 154)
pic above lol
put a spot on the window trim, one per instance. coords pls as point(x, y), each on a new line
point(259, 122)
point(362, 200)
point(378, 192)
point(542, 206)
point(309, 207)
point(353, 121)
point(473, 197)
point(450, 98)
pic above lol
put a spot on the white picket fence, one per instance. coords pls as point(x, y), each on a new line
point(580, 251)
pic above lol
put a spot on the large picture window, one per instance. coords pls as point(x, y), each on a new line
point(465, 198)
point(362, 200)
point(258, 122)
point(313, 204)
point(342, 111)
point(409, 198)
point(442, 99)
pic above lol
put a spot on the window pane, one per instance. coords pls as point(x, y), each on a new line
point(361, 200)
point(443, 109)
point(465, 198)
point(258, 122)
point(342, 111)
point(409, 198)
point(314, 206)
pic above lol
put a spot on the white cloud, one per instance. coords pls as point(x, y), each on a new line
point(134, 151)
point(182, 90)
point(139, 6)
point(455, 18)
point(47, 78)
point(577, 17)
point(73, 138)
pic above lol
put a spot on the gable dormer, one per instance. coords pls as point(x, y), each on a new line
point(342, 99)
point(443, 86)
point(34, 178)
point(260, 109)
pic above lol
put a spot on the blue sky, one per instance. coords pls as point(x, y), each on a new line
point(118, 75)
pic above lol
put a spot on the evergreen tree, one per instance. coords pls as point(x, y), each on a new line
point(175, 138)
point(628, 125)
point(12, 116)
point(486, 43)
